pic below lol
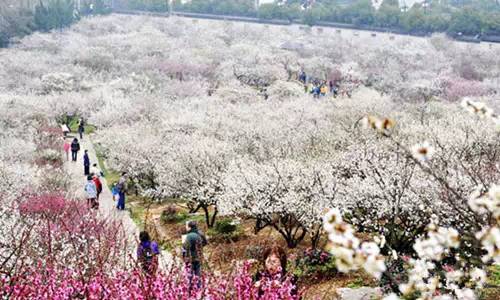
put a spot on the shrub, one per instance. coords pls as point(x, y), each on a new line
point(225, 230)
point(50, 156)
point(254, 252)
point(225, 226)
point(59, 82)
point(315, 263)
point(171, 214)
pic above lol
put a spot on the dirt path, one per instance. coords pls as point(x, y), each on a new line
point(107, 206)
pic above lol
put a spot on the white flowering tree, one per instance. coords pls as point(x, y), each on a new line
point(186, 118)
point(287, 195)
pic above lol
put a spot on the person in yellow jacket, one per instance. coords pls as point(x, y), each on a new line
point(323, 90)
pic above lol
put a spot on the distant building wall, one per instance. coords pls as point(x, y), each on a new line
point(19, 3)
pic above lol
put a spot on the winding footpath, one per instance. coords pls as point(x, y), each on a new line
point(107, 205)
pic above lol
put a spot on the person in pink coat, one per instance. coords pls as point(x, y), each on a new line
point(66, 148)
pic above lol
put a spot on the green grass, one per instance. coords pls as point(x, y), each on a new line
point(167, 246)
point(73, 126)
point(494, 275)
point(111, 176)
point(137, 214)
point(492, 289)
point(197, 218)
point(357, 283)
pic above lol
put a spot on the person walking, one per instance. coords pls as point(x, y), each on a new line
point(98, 185)
point(75, 147)
point(121, 188)
point(147, 254)
point(91, 193)
point(96, 171)
point(81, 128)
point(316, 91)
point(303, 77)
point(66, 148)
point(65, 130)
point(192, 251)
point(86, 163)
point(335, 90)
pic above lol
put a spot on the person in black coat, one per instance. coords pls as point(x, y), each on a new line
point(86, 163)
point(75, 147)
point(81, 128)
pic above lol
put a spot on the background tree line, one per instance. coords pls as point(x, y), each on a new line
point(455, 17)
point(452, 16)
point(46, 15)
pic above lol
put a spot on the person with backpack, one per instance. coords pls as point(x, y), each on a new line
point(147, 254)
point(98, 185)
point(81, 128)
point(192, 251)
point(121, 188)
point(86, 163)
point(91, 192)
point(75, 147)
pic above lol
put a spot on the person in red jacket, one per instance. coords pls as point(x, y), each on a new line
point(98, 185)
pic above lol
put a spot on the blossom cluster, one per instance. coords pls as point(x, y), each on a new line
point(351, 254)
point(43, 282)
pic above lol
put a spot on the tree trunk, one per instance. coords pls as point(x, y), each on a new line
point(209, 220)
point(315, 237)
point(214, 215)
point(289, 234)
point(259, 225)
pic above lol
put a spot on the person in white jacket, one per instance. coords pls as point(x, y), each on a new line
point(96, 171)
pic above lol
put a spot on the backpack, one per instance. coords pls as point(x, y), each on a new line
point(146, 258)
point(119, 187)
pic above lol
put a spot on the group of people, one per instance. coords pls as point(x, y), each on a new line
point(320, 88)
point(192, 253)
point(274, 260)
point(93, 187)
point(74, 147)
